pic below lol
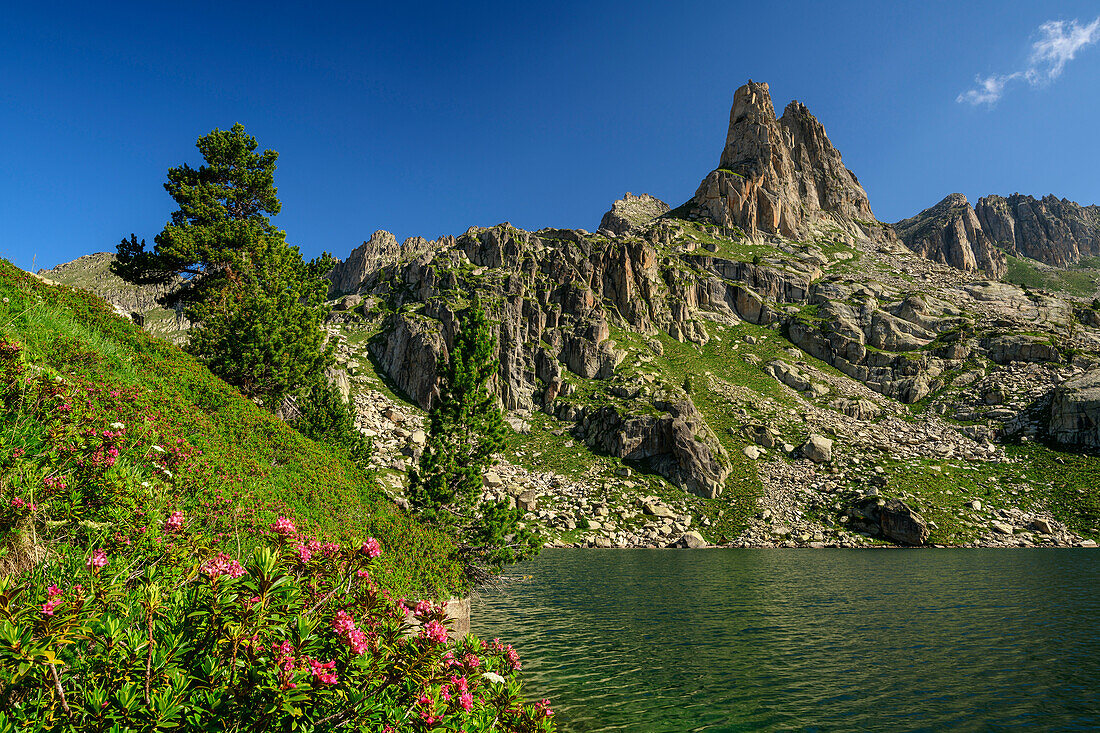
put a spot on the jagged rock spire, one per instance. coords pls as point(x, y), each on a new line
point(781, 176)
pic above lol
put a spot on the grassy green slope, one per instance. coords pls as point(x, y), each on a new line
point(240, 467)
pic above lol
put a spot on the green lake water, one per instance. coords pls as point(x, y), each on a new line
point(652, 641)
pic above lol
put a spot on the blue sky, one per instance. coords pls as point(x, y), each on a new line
point(431, 118)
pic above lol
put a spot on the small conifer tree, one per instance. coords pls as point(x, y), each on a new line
point(466, 430)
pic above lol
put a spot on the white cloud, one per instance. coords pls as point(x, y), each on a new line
point(1058, 43)
point(988, 90)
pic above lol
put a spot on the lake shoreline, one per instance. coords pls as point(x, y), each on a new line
point(1019, 545)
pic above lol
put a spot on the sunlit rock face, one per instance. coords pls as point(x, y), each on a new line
point(781, 176)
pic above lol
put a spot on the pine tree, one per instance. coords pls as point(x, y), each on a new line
point(256, 305)
point(466, 429)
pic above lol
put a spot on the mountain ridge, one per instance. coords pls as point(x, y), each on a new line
point(768, 349)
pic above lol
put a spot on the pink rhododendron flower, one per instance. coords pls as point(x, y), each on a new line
point(49, 606)
point(175, 521)
point(371, 548)
point(52, 591)
point(322, 671)
point(434, 631)
point(466, 700)
point(283, 526)
point(97, 560)
point(344, 626)
point(222, 565)
point(303, 553)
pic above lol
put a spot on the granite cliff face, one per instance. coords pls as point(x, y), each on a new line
point(555, 295)
point(767, 240)
point(951, 233)
point(1052, 230)
point(781, 176)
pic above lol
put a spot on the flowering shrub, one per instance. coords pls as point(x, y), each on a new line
point(151, 581)
point(91, 462)
point(70, 369)
point(282, 642)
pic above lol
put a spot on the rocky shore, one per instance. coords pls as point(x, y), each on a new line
point(573, 514)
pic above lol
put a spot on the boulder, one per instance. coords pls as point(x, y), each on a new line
point(1001, 527)
point(652, 509)
point(901, 524)
point(1042, 526)
point(527, 501)
point(690, 541)
point(858, 409)
point(1075, 411)
point(818, 448)
point(348, 302)
point(762, 435)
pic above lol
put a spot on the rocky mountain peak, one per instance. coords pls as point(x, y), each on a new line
point(781, 176)
point(631, 212)
point(1053, 230)
point(951, 233)
point(753, 130)
point(381, 250)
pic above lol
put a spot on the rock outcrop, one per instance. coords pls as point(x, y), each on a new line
point(1056, 231)
point(951, 233)
point(380, 251)
point(902, 524)
point(676, 443)
point(1075, 411)
point(631, 212)
point(781, 176)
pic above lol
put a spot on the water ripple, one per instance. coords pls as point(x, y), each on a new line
point(666, 642)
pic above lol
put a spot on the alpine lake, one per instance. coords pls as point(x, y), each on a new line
point(656, 641)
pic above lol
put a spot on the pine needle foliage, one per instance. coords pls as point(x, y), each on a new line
point(256, 305)
point(466, 430)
